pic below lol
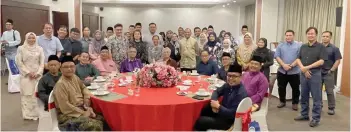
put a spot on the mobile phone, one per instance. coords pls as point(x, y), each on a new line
point(198, 97)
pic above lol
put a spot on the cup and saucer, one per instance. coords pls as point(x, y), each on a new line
point(100, 79)
point(187, 82)
point(100, 92)
point(202, 92)
point(182, 90)
point(93, 86)
point(129, 79)
point(194, 73)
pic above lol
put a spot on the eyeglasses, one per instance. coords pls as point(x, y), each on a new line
point(233, 76)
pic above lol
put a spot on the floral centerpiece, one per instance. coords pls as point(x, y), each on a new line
point(157, 75)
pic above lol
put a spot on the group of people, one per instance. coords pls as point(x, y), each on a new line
point(65, 65)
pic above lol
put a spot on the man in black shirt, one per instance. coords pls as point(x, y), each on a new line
point(310, 60)
point(77, 46)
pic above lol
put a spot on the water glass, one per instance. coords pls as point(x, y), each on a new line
point(137, 91)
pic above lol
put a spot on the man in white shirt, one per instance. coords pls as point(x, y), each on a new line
point(148, 36)
point(240, 39)
point(10, 40)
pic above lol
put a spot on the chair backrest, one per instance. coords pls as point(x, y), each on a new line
point(243, 107)
point(52, 110)
point(8, 66)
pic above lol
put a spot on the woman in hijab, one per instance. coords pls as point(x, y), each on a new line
point(221, 36)
point(226, 49)
point(140, 45)
point(96, 44)
point(175, 47)
point(229, 36)
point(30, 61)
point(168, 38)
point(266, 54)
point(245, 50)
point(212, 46)
point(200, 45)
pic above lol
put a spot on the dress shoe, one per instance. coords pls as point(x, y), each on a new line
point(281, 105)
point(301, 118)
point(314, 123)
point(294, 107)
point(331, 112)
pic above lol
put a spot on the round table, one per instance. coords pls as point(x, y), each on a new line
point(154, 109)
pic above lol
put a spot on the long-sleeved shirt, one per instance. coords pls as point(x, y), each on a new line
point(232, 96)
point(85, 43)
point(256, 86)
point(129, 65)
point(288, 53)
point(50, 45)
point(268, 61)
point(222, 74)
point(142, 50)
point(45, 86)
point(86, 70)
point(13, 39)
point(208, 68)
point(105, 66)
point(155, 53)
point(147, 37)
point(69, 95)
point(188, 52)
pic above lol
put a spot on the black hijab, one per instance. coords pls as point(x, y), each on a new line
point(214, 42)
point(264, 50)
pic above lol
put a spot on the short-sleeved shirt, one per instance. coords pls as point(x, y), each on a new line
point(334, 54)
point(49, 45)
point(288, 53)
point(67, 47)
point(311, 54)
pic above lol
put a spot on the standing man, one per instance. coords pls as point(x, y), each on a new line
point(109, 33)
point(180, 33)
point(288, 72)
point(118, 45)
point(148, 36)
point(131, 29)
point(244, 30)
point(329, 67)
point(50, 44)
point(66, 44)
point(138, 27)
point(210, 29)
point(188, 47)
point(10, 40)
point(197, 32)
point(310, 60)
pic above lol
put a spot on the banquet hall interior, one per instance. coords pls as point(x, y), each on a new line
point(264, 18)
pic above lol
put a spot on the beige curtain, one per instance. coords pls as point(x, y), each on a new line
point(250, 18)
point(301, 14)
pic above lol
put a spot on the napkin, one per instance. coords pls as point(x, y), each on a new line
point(112, 96)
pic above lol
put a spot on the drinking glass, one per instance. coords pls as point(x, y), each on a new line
point(137, 90)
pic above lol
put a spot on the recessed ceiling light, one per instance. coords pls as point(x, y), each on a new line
point(228, 4)
point(234, 1)
point(223, 5)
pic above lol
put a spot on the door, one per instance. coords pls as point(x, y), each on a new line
point(58, 19)
point(91, 20)
point(101, 18)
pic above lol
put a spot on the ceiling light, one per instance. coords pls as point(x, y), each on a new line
point(234, 1)
point(223, 5)
point(228, 4)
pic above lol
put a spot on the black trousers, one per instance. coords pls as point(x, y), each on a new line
point(186, 69)
point(210, 120)
point(294, 81)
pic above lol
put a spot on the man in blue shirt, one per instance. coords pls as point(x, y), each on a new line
point(329, 67)
point(288, 72)
point(221, 116)
point(206, 66)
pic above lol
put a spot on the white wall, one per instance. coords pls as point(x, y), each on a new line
point(60, 5)
point(171, 18)
point(269, 20)
point(241, 19)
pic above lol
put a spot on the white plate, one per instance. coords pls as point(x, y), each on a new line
point(100, 93)
point(92, 87)
point(194, 74)
point(99, 80)
point(122, 84)
point(204, 94)
point(187, 84)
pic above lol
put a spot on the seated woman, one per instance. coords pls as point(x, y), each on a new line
point(255, 82)
point(86, 71)
point(206, 66)
point(220, 116)
point(104, 63)
point(131, 63)
point(166, 55)
point(226, 61)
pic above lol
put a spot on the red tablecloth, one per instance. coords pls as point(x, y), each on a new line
point(153, 109)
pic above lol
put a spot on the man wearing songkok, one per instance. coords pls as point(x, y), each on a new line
point(86, 71)
point(48, 81)
point(255, 82)
point(221, 116)
point(72, 100)
point(131, 63)
point(104, 63)
point(206, 66)
point(222, 73)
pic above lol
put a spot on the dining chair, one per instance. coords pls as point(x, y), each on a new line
point(53, 112)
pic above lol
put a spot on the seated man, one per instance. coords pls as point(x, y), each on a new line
point(206, 66)
point(48, 81)
point(255, 82)
point(166, 55)
point(104, 63)
point(221, 116)
point(222, 73)
point(131, 63)
point(72, 100)
point(86, 71)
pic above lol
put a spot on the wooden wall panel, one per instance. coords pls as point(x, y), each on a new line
point(77, 14)
point(258, 19)
point(345, 79)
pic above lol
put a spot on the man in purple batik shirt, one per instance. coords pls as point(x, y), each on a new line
point(131, 63)
point(255, 82)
